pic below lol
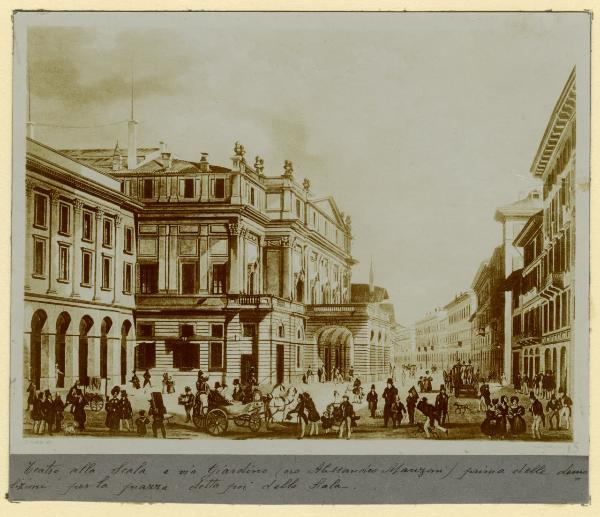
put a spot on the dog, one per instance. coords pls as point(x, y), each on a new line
point(69, 429)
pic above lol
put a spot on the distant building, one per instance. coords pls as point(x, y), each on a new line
point(459, 333)
point(405, 345)
point(430, 333)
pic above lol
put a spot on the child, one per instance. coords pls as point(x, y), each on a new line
point(141, 422)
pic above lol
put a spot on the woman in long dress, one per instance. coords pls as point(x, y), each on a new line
point(113, 411)
point(78, 410)
point(515, 417)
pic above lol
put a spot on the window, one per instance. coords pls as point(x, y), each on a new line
point(298, 349)
point(281, 331)
point(148, 188)
point(249, 330)
point(64, 219)
point(216, 355)
point(252, 196)
point(127, 276)
point(39, 257)
point(188, 187)
point(216, 330)
point(145, 356)
point(63, 263)
point(128, 239)
point(40, 208)
point(107, 233)
point(188, 278)
point(88, 227)
point(145, 330)
point(187, 330)
point(219, 278)
point(186, 355)
point(298, 208)
point(149, 278)
point(86, 266)
point(220, 188)
point(106, 272)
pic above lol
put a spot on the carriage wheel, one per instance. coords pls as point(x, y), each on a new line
point(254, 423)
point(216, 422)
point(197, 419)
point(99, 403)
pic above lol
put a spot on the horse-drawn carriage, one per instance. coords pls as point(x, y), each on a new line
point(213, 414)
point(463, 380)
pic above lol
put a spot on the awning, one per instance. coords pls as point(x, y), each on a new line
point(334, 336)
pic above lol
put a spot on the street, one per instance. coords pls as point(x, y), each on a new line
point(462, 424)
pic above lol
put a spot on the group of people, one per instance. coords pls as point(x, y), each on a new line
point(543, 384)
point(47, 412)
point(119, 413)
point(504, 416)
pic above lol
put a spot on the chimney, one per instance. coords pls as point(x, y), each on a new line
point(165, 156)
point(132, 144)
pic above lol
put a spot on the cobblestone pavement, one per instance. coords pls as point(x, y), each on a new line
point(463, 424)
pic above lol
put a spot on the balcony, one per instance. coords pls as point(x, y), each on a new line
point(529, 295)
point(553, 285)
point(250, 301)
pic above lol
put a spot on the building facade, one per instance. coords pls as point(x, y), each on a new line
point(546, 289)
point(228, 271)
point(459, 334)
point(80, 256)
point(430, 333)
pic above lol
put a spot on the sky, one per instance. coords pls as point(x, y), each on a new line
point(419, 125)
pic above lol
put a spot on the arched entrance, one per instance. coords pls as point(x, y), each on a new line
point(124, 333)
point(38, 321)
point(547, 365)
point(335, 348)
point(104, 330)
point(62, 324)
point(85, 326)
point(563, 369)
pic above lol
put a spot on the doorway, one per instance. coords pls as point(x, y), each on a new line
point(280, 364)
point(84, 327)
point(37, 324)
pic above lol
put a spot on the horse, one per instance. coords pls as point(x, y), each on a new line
point(279, 401)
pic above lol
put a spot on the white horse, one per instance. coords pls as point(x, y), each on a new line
point(281, 401)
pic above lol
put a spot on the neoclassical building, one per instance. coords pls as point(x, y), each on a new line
point(80, 256)
point(190, 265)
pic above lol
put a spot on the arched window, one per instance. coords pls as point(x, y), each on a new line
point(281, 330)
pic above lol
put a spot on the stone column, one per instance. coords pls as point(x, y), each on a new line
point(52, 235)
point(28, 225)
point(71, 359)
point(233, 286)
point(50, 353)
point(93, 356)
point(286, 267)
point(97, 255)
point(76, 262)
point(113, 361)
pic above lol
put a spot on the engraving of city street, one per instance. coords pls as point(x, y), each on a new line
point(270, 232)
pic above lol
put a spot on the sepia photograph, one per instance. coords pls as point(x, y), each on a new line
point(300, 226)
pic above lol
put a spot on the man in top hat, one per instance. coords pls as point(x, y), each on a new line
point(441, 404)
point(126, 411)
point(347, 417)
point(372, 400)
point(389, 396)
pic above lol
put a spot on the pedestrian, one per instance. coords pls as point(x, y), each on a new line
point(300, 411)
point(502, 416)
point(60, 376)
point(431, 417)
point(58, 407)
point(320, 374)
point(390, 394)
point(78, 409)
point(347, 417)
point(484, 397)
point(147, 378)
point(518, 381)
point(515, 416)
point(141, 422)
point(202, 383)
point(157, 411)
point(398, 411)
point(309, 375)
point(411, 404)
point(135, 381)
point(48, 412)
point(551, 382)
point(372, 400)
point(553, 412)
point(441, 404)
point(72, 394)
point(113, 411)
point(30, 395)
point(312, 414)
point(537, 410)
point(36, 412)
point(126, 412)
point(351, 373)
point(188, 401)
point(165, 383)
point(565, 411)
